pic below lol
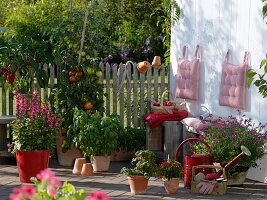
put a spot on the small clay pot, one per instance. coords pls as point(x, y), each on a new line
point(87, 170)
point(78, 165)
point(156, 62)
point(142, 67)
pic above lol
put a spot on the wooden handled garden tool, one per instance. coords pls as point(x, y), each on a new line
point(245, 151)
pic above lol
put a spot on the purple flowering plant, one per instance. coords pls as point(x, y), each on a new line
point(225, 138)
point(35, 126)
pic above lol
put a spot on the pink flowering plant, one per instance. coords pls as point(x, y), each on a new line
point(35, 126)
point(225, 138)
point(49, 187)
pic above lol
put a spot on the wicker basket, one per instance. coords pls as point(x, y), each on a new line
point(160, 109)
point(219, 188)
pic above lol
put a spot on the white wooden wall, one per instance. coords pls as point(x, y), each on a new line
point(217, 26)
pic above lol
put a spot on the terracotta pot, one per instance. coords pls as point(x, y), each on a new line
point(171, 186)
point(30, 163)
point(78, 165)
point(142, 67)
point(87, 170)
point(138, 184)
point(122, 155)
point(66, 158)
point(100, 163)
point(156, 62)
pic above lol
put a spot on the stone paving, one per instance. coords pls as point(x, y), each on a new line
point(116, 185)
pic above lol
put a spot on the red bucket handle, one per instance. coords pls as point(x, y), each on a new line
point(187, 140)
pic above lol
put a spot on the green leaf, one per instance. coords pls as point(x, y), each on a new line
point(68, 188)
point(7, 86)
point(263, 62)
point(250, 80)
point(251, 73)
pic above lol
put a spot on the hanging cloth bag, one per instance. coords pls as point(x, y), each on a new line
point(187, 77)
point(233, 83)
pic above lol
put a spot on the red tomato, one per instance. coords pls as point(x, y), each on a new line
point(27, 63)
point(72, 79)
point(88, 105)
point(37, 60)
point(10, 77)
point(168, 103)
point(3, 71)
point(79, 74)
point(72, 73)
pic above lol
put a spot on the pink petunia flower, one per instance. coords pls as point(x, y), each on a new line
point(97, 195)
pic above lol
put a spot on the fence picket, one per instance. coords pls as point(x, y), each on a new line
point(128, 90)
point(3, 101)
point(135, 96)
point(149, 85)
point(10, 99)
point(156, 84)
point(121, 90)
point(142, 99)
point(115, 88)
point(46, 89)
point(162, 79)
point(108, 89)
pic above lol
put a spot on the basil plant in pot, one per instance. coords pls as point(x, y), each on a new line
point(96, 136)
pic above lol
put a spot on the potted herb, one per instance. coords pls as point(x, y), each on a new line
point(225, 139)
point(33, 135)
point(96, 136)
point(145, 167)
point(170, 171)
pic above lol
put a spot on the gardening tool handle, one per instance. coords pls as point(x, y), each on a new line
point(187, 140)
point(209, 166)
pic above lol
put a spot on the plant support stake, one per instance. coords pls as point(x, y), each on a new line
point(83, 33)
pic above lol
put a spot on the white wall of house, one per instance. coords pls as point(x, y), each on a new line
point(217, 26)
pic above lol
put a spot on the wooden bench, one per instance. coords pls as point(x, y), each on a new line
point(4, 120)
point(164, 140)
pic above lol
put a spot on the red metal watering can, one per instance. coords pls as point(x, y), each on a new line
point(193, 160)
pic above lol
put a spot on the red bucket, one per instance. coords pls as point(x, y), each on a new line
point(30, 163)
point(193, 160)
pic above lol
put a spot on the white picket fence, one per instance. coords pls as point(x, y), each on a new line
point(128, 92)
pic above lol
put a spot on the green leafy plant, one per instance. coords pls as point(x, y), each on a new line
point(131, 139)
point(96, 135)
point(226, 137)
point(145, 165)
point(259, 79)
point(35, 126)
point(170, 169)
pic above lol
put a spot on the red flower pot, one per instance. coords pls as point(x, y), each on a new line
point(31, 163)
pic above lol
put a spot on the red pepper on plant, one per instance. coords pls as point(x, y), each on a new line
point(10, 77)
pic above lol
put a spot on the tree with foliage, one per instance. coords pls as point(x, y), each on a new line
point(260, 79)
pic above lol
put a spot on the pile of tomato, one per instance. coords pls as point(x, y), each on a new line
point(74, 74)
